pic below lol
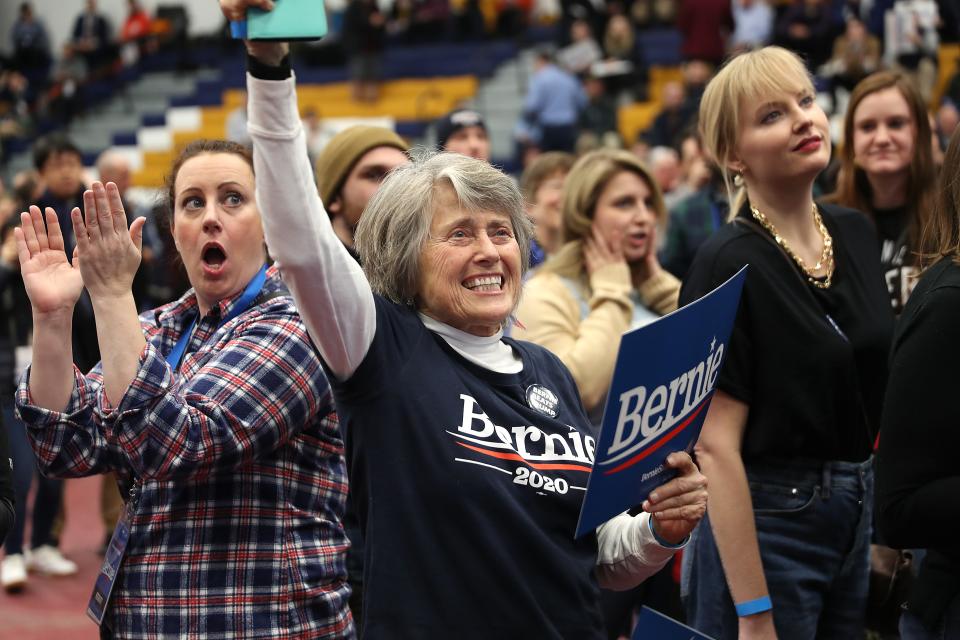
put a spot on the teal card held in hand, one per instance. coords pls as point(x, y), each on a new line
point(289, 20)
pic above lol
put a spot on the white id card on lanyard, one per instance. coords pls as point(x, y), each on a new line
point(103, 587)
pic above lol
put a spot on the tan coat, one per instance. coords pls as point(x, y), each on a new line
point(551, 315)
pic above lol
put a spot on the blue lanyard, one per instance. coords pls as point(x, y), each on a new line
point(254, 287)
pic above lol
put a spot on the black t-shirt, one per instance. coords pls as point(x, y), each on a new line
point(810, 362)
point(895, 259)
point(468, 512)
point(918, 479)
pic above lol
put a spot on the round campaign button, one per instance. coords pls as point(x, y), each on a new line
point(543, 400)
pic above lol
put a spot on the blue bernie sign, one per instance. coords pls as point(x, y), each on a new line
point(663, 381)
point(653, 625)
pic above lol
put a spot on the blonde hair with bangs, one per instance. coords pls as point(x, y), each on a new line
point(746, 78)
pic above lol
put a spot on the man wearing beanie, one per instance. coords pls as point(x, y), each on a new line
point(463, 131)
point(349, 171)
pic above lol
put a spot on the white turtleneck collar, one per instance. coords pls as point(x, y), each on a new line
point(489, 352)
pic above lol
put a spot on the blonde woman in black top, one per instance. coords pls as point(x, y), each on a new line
point(787, 441)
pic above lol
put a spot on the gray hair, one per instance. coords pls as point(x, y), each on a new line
point(658, 155)
point(396, 223)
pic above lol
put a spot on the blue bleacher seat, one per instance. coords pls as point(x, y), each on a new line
point(153, 120)
point(659, 47)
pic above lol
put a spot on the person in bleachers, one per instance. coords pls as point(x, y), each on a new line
point(114, 167)
point(27, 186)
point(887, 172)
point(92, 37)
point(694, 219)
point(349, 171)
point(15, 118)
point(856, 54)
point(946, 121)
point(788, 437)
point(647, 14)
point(753, 25)
point(61, 169)
point(464, 131)
point(916, 41)
point(598, 119)
point(619, 41)
point(664, 165)
point(696, 74)
point(364, 38)
point(137, 25)
point(31, 49)
point(136, 37)
point(673, 119)
point(623, 69)
point(542, 186)
point(806, 27)
point(705, 26)
point(553, 104)
point(583, 50)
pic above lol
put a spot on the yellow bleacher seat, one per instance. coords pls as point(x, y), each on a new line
point(634, 118)
point(409, 99)
point(948, 65)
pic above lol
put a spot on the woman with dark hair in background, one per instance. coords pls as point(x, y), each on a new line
point(918, 479)
point(887, 171)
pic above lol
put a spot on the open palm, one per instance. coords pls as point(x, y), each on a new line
point(53, 284)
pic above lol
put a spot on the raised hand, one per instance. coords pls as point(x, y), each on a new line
point(679, 505)
point(267, 52)
point(109, 252)
point(52, 283)
point(598, 251)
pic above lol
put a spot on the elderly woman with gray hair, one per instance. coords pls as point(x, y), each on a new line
point(468, 452)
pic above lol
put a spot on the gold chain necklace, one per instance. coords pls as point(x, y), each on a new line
point(826, 256)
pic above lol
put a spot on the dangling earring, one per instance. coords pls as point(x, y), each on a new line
point(738, 179)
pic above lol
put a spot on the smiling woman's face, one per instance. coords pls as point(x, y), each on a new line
point(216, 225)
point(469, 268)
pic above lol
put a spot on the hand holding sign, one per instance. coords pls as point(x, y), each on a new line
point(679, 505)
point(664, 379)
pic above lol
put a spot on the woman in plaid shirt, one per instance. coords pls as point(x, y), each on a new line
point(213, 411)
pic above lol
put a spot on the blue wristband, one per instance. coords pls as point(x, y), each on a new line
point(751, 607)
point(661, 541)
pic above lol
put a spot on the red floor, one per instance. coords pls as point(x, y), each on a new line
point(54, 608)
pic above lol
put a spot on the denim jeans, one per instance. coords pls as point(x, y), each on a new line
point(46, 502)
point(813, 524)
point(949, 629)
